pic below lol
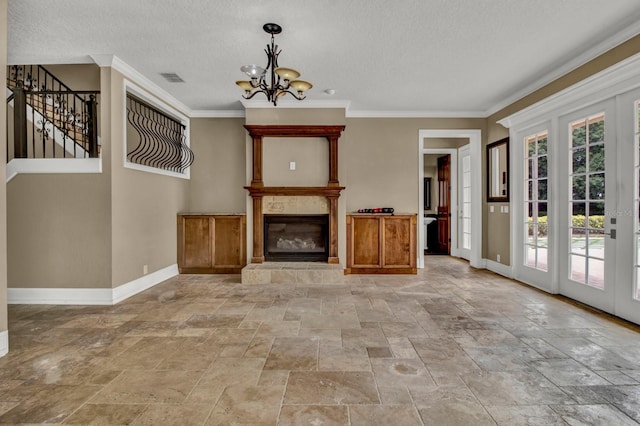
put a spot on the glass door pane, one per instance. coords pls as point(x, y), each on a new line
point(466, 202)
point(536, 200)
point(587, 201)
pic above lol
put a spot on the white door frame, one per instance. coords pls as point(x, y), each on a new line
point(475, 142)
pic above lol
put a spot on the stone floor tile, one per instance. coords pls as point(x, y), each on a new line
point(365, 415)
point(293, 353)
point(48, 404)
point(502, 358)
point(331, 388)
point(591, 355)
point(379, 352)
point(568, 372)
point(599, 414)
point(254, 405)
point(406, 372)
point(109, 414)
point(6, 406)
point(229, 371)
point(294, 415)
point(443, 354)
point(514, 388)
point(149, 386)
point(533, 415)
point(452, 345)
point(173, 414)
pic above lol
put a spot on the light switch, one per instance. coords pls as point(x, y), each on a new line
point(292, 165)
point(490, 209)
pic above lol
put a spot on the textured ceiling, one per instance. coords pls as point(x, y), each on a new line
point(457, 57)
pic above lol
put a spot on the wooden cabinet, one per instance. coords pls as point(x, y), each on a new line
point(211, 243)
point(381, 244)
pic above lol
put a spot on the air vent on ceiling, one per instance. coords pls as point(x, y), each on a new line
point(172, 77)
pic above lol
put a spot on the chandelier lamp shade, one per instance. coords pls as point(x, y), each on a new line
point(273, 81)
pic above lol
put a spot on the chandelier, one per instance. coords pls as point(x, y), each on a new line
point(281, 80)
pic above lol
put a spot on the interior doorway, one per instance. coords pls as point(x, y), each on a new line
point(465, 214)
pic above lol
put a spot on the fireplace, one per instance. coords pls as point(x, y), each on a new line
point(296, 238)
point(258, 190)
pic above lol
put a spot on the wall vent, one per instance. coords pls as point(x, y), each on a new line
point(172, 77)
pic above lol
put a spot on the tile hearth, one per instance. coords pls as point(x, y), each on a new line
point(292, 273)
point(449, 346)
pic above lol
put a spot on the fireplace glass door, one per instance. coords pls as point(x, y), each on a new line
point(296, 238)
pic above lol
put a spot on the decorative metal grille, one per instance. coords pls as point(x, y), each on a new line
point(162, 142)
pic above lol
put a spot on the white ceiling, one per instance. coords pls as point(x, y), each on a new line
point(403, 57)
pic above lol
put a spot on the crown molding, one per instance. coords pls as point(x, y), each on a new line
point(289, 103)
point(134, 75)
point(217, 113)
point(415, 114)
point(22, 59)
point(588, 55)
point(612, 81)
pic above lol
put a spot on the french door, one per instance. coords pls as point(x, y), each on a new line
point(576, 197)
point(588, 197)
point(599, 206)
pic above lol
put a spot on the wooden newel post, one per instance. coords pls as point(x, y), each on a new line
point(19, 122)
point(92, 111)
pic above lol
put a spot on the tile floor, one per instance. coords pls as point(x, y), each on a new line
point(450, 346)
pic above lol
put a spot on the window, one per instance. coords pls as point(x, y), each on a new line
point(536, 201)
point(156, 135)
point(587, 201)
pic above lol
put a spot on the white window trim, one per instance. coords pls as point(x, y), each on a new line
point(129, 87)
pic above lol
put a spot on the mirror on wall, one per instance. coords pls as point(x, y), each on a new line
point(498, 171)
point(427, 193)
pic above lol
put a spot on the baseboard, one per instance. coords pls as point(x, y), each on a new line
point(4, 343)
point(59, 296)
point(499, 268)
point(134, 287)
point(88, 296)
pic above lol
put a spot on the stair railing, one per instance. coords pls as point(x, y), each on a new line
point(55, 112)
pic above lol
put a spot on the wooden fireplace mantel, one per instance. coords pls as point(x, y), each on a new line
point(257, 190)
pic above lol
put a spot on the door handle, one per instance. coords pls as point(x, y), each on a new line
point(612, 234)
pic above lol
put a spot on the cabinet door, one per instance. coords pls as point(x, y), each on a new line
point(229, 241)
point(196, 241)
point(365, 244)
point(397, 242)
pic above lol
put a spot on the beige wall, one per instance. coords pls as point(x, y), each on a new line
point(382, 159)
point(496, 226)
point(218, 174)
point(293, 116)
point(58, 233)
point(143, 206)
point(310, 155)
point(77, 76)
point(3, 187)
